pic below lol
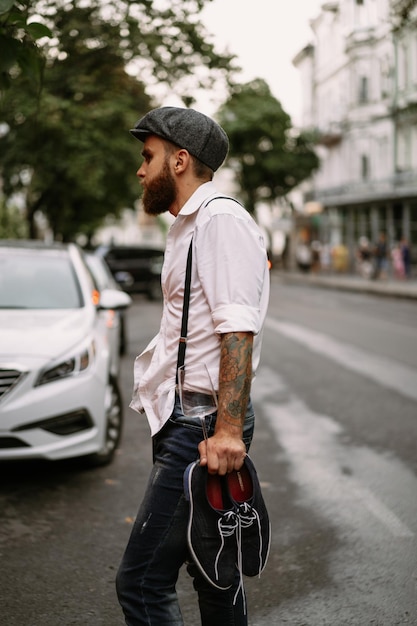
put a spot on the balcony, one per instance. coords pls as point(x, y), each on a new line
point(401, 185)
point(406, 102)
point(333, 7)
point(329, 135)
point(360, 37)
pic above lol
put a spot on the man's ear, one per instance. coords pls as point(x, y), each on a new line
point(182, 159)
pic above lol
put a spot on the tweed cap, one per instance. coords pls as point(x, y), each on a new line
point(189, 129)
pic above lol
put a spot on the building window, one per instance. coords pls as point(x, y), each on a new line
point(364, 167)
point(360, 2)
point(385, 77)
point(363, 89)
point(406, 67)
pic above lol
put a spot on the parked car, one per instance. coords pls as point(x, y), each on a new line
point(103, 279)
point(59, 391)
point(136, 268)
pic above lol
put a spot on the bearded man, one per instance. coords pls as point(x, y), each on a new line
point(229, 290)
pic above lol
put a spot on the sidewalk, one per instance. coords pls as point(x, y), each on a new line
point(349, 282)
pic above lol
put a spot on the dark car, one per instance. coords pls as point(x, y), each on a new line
point(137, 268)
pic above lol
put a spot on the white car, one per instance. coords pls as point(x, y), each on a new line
point(59, 393)
point(103, 279)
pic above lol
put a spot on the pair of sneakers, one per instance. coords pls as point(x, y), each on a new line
point(228, 528)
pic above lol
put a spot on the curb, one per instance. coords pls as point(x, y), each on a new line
point(387, 288)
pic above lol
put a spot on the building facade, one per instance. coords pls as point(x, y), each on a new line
point(359, 80)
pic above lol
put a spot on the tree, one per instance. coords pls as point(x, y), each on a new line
point(403, 14)
point(162, 42)
point(268, 156)
point(18, 46)
point(11, 224)
point(66, 149)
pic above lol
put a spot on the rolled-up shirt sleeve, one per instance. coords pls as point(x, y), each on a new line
point(232, 262)
point(236, 318)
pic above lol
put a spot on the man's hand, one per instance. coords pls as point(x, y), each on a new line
point(222, 453)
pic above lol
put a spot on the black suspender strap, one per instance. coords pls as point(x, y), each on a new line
point(223, 198)
point(185, 309)
point(186, 305)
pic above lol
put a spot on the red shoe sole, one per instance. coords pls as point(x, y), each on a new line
point(214, 492)
point(240, 484)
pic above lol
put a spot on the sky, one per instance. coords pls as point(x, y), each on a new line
point(265, 35)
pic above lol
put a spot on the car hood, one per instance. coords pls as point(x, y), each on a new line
point(42, 333)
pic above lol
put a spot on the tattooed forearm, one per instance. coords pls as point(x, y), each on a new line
point(235, 376)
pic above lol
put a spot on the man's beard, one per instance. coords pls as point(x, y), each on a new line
point(160, 193)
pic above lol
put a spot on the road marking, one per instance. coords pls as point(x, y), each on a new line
point(380, 511)
point(317, 460)
point(384, 371)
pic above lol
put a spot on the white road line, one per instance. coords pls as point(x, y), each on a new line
point(386, 372)
point(318, 461)
point(380, 511)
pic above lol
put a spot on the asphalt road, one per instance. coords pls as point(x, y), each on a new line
point(336, 452)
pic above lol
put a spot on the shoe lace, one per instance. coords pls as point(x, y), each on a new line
point(246, 516)
point(232, 522)
point(227, 525)
point(240, 587)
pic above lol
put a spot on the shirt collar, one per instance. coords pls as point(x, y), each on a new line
point(196, 200)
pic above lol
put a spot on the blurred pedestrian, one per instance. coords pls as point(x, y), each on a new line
point(340, 258)
point(325, 257)
point(406, 256)
point(364, 257)
point(303, 256)
point(397, 261)
point(381, 257)
point(315, 255)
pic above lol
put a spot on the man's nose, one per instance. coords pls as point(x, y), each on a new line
point(140, 173)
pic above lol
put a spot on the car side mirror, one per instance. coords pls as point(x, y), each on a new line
point(114, 299)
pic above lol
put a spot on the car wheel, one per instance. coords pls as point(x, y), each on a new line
point(114, 422)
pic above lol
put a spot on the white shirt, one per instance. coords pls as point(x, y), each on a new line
point(229, 293)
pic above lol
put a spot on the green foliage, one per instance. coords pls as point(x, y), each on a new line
point(166, 42)
point(12, 226)
point(18, 48)
point(267, 155)
point(66, 148)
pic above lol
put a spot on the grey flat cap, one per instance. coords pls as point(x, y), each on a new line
point(189, 129)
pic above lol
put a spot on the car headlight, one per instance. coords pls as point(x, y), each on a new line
point(71, 366)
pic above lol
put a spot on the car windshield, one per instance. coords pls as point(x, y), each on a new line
point(101, 274)
point(33, 280)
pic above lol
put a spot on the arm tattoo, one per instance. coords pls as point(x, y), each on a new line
point(235, 376)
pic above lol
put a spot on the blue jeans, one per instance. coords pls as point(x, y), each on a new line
point(157, 547)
